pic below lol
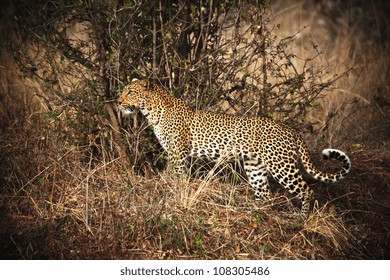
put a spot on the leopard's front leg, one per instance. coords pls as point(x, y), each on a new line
point(178, 153)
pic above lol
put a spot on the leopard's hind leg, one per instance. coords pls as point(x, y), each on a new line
point(257, 176)
point(290, 178)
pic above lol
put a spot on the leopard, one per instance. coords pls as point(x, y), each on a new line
point(265, 147)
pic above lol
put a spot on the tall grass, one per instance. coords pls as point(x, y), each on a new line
point(70, 208)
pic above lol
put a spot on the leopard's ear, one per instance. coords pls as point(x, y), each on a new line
point(145, 83)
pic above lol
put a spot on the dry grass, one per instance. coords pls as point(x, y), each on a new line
point(71, 207)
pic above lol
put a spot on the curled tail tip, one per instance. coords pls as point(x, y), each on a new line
point(339, 155)
point(332, 153)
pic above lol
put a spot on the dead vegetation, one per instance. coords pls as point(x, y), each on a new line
point(69, 206)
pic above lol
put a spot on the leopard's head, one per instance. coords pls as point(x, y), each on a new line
point(134, 95)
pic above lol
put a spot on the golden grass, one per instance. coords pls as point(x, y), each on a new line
point(72, 207)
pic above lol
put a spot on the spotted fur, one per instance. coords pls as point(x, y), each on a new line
point(265, 146)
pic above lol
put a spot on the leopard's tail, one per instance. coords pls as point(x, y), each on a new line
point(327, 154)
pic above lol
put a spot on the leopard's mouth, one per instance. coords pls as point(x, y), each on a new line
point(127, 110)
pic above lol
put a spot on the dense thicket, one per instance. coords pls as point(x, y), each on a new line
point(217, 55)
